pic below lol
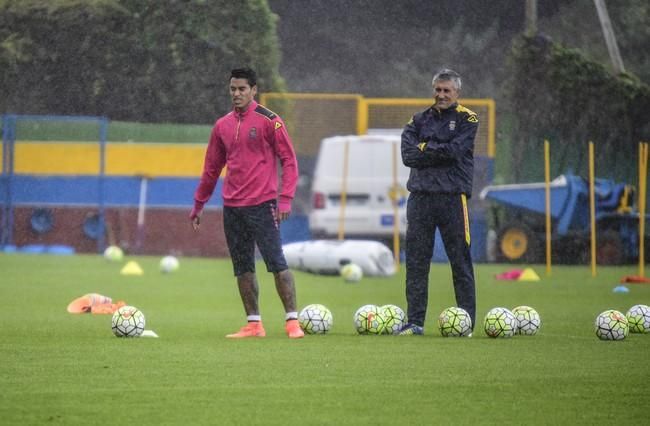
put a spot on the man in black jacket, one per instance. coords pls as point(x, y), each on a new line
point(438, 146)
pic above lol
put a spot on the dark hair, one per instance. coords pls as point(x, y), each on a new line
point(246, 73)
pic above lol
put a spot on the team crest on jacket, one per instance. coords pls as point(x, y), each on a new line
point(452, 125)
point(252, 134)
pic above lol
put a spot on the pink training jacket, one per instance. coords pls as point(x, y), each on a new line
point(249, 144)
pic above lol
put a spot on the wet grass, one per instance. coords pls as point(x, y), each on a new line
point(58, 368)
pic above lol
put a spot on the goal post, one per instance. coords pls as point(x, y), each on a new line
point(310, 117)
point(394, 113)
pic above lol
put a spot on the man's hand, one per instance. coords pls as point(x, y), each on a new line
point(196, 222)
point(282, 216)
point(195, 217)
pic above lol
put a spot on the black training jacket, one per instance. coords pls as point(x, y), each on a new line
point(439, 149)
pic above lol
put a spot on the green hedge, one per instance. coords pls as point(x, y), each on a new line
point(560, 95)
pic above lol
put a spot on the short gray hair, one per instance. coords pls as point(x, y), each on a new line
point(447, 75)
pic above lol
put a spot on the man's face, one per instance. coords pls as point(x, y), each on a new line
point(445, 94)
point(241, 92)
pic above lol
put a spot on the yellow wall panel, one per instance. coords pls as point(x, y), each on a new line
point(56, 158)
point(182, 160)
point(68, 158)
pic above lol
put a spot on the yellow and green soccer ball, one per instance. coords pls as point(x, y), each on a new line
point(351, 272)
point(455, 322)
point(500, 322)
point(638, 318)
point(611, 325)
point(113, 254)
point(394, 318)
point(369, 319)
point(315, 319)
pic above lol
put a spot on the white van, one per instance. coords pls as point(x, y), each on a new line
point(369, 211)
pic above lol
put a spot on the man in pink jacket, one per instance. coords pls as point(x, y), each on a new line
point(249, 140)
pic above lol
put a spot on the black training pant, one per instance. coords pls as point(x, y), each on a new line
point(247, 226)
point(425, 213)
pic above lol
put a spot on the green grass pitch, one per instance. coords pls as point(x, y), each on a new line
point(58, 368)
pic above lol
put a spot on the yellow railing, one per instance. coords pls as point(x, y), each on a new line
point(314, 116)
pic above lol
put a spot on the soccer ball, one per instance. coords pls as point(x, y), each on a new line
point(128, 321)
point(394, 318)
point(455, 322)
point(351, 272)
point(611, 325)
point(528, 320)
point(315, 319)
point(638, 318)
point(169, 264)
point(500, 322)
point(113, 254)
point(369, 319)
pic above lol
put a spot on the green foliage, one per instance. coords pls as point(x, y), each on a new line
point(576, 24)
point(68, 369)
point(138, 61)
point(559, 95)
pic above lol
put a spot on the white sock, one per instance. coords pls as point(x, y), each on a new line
point(257, 318)
point(291, 316)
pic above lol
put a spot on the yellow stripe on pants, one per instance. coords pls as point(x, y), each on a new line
point(463, 199)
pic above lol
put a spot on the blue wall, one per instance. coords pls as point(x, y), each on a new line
point(118, 191)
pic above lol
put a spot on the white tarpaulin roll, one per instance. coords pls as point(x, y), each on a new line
point(327, 256)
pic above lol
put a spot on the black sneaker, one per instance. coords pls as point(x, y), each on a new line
point(411, 329)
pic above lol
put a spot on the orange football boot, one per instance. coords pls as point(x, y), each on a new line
point(252, 329)
point(293, 329)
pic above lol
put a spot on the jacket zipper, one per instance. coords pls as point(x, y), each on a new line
point(237, 132)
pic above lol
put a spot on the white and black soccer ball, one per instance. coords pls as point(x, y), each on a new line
point(128, 321)
point(169, 264)
point(315, 319)
point(638, 318)
point(455, 322)
point(611, 325)
point(500, 322)
point(369, 319)
point(528, 320)
point(394, 318)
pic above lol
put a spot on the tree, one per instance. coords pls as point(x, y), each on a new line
point(560, 95)
point(132, 60)
point(576, 25)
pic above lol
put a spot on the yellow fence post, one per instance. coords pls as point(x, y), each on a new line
point(592, 208)
point(643, 175)
point(344, 190)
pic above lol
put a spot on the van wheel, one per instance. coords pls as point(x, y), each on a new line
point(517, 244)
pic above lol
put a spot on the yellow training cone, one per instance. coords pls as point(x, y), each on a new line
point(132, 268)
point(528, 275)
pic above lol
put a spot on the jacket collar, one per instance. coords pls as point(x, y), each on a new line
point(251, 107)
point(452, 107)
